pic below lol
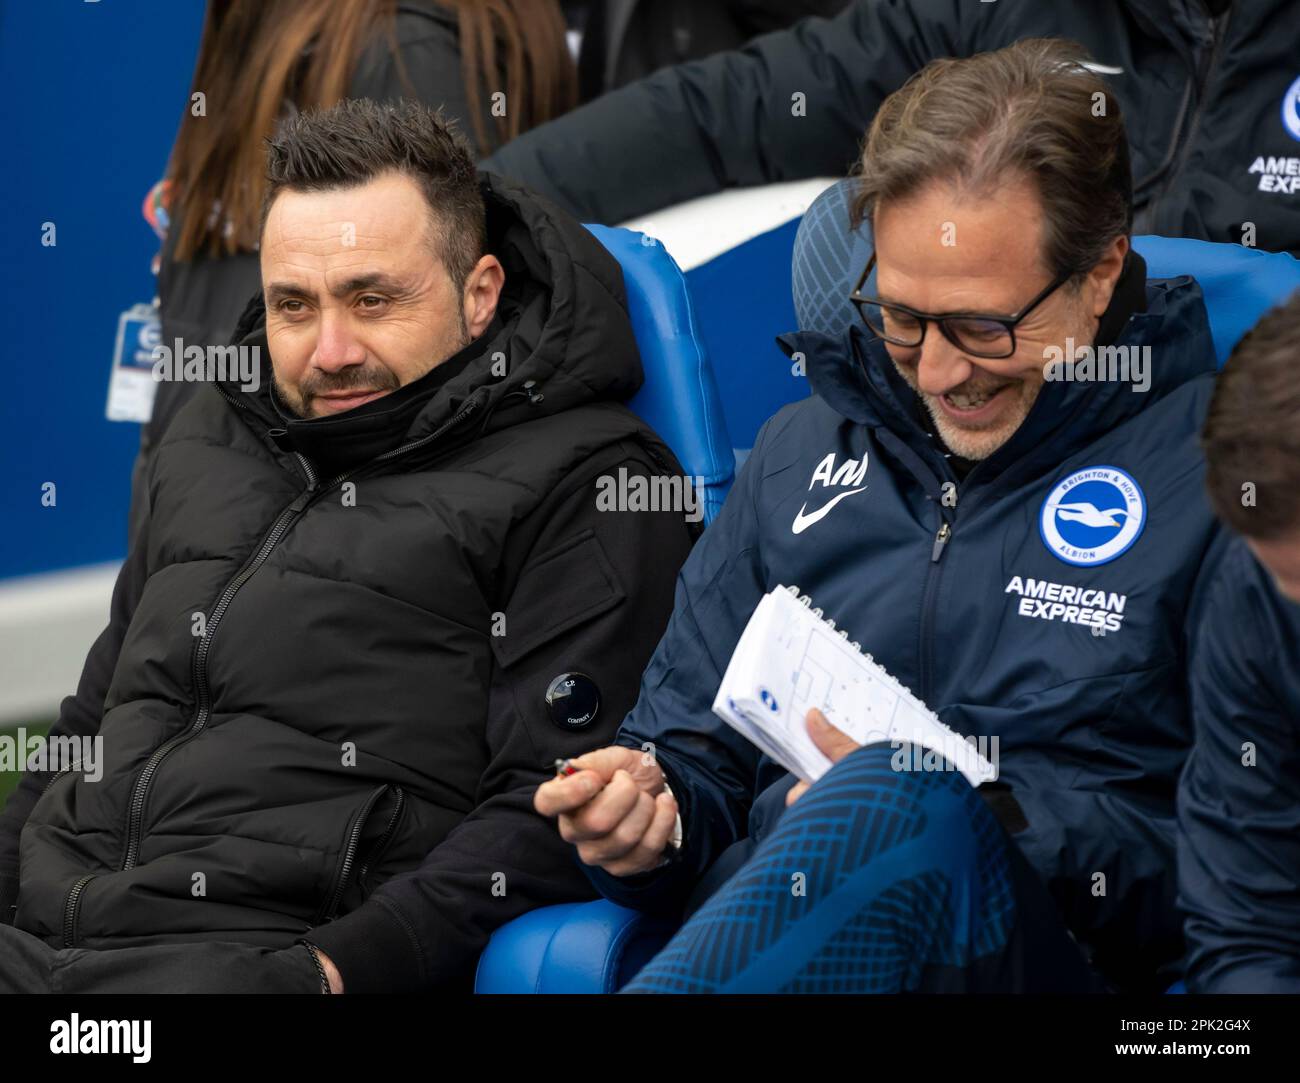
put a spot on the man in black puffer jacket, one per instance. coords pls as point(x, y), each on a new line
point(375, 598)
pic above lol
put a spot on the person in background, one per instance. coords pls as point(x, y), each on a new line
point(625, 40)
point(260, 60)
point(1211, 87)
point(1239, 796)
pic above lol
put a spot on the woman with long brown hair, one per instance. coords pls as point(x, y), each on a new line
point(496, 67)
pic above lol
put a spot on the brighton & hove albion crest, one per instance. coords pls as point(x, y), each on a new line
point(1093, 516)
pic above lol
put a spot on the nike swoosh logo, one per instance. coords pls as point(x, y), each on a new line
point(1100, 69)
point(802, 522)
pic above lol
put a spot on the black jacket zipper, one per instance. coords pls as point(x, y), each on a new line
point(344, 871)
point(277, 531)
point(1200, 80)
point(385, 840)
point(58, 775)
point(70, 911)
point(199, 664)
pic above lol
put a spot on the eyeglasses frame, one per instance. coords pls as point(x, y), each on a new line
point(926, 318)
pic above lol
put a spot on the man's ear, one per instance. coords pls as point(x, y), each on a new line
point(482, 294)
point(1103, 278)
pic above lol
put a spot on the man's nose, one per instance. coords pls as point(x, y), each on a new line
point(941, 365)
point(336, 346)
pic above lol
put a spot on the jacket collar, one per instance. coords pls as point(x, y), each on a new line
point(339, 442)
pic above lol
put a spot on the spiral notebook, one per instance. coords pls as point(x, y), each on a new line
point(789, 659)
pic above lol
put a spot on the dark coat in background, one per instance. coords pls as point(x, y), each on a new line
point(626, 40)
point(1239, 797)
point(1202, 94)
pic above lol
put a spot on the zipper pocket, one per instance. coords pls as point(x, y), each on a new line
point(58, 775)
point(71, 909)
point(347, 859)
point(385, 840)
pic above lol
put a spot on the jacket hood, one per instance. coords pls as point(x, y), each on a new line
point(561, 336)
point(853, 373)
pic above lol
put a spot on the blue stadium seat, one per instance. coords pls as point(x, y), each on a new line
point(1240, 284)
point(576, 948)
point(679, 398)
point(597, 947)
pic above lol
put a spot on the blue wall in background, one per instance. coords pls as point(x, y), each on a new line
point(91, 95)
point(90, 98)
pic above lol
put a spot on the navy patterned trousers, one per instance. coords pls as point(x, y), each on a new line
point(877, 880)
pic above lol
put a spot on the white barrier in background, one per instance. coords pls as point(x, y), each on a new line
point(47, 624)
point(702, 229)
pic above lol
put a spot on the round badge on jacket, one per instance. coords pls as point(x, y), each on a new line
point(1093, 516)
point(572, 701)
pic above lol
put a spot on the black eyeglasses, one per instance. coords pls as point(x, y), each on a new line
point(975, 333)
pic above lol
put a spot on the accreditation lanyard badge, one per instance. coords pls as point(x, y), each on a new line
point(132, 386)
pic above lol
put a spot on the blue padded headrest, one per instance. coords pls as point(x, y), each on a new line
point(679, 398)
point(827, 259)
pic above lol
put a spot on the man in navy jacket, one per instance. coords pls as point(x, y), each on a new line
point(1239, 798)
point(1017, 537)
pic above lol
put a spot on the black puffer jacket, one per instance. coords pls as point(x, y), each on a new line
point(346, 750)
point(1210, 91)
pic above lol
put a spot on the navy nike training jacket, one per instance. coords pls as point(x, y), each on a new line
point(1048, 608)
point(1239, 800)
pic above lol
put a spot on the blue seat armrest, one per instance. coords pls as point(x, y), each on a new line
point(594, 947)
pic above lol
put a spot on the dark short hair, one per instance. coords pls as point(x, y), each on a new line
point(353, 142)
point(1252, 432)
point(1030, 109)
